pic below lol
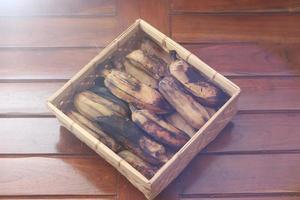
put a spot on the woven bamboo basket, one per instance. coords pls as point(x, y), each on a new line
point(59, 102)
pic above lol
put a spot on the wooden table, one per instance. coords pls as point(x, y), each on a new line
point(254, 43)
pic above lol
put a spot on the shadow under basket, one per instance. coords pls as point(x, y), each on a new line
point(62, 100)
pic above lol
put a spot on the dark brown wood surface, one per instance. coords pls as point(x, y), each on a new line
point(254, 43)
point(224, 6)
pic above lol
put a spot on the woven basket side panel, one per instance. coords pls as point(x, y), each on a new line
point(134, 177)
point(201, 141)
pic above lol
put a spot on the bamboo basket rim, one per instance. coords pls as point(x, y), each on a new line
point(165, 41)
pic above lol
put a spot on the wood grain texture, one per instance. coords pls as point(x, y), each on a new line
point(127, 191)
point(29, 136)
point(131, 10)
point(242, 174)
point(219, 28)
point(26, 98)
point(259, 133)
point(277, 93)
point(41, 160)
point(128, 12)
point(246, 133)
point(48, 197)
point(65, 197)
point(57, 32)
point(257, 197)
point(66, 176)
point(57, 7)
point(224, 6)
point(41, 63)
point(159, 8)
point(231, 59)
point(250, 59)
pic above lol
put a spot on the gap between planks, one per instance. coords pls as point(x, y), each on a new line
point(237, 195)
point(95, 156)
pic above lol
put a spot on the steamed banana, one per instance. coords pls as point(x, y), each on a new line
point(143, 167)
point(140, 75)
point(192, 111)
point(125, 132)
point(152, 65)
point(176, 120)
point(104, 68)
point(94, 130)
point(105, 93)
point(195, 83)
point(92, 106)
point(152, 49)
point(132, 91)
point(210, 111)
point(159, 129)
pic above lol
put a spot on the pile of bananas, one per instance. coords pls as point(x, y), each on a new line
point(147, 106)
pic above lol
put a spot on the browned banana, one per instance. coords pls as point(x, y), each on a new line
point(151, 48)
point(153, 65)
point(94, 130)
point(129, 89)
point(143, 167)
point(125, 132)
point(92, 106)
point(140, 75)
point(210, 111)
point(176, 120)
point(159, 129)
point(192, 111)
point(194, 82)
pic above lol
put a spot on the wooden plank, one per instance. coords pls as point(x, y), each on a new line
point(247, 133)
point(241, 6)
point(127, 191)
point(220, 28)
point(62, 197)
point(250, 59)
point(279, 197)
point(44, 63)
point(57, 7)
point(259, 133)
point(56, 32)
point(156, 12)
point(58, 197)
point(277, 93)
point(56, 176)
point(29, 136)
point(26, 98)
point(230, 175)
point(128, 12)
point(231, 59)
